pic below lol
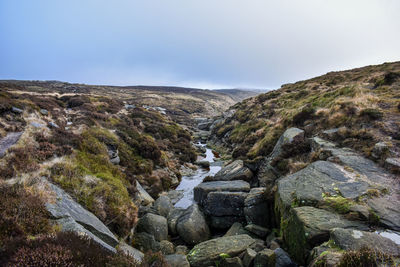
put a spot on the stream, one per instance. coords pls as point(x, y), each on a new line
point(191, 181)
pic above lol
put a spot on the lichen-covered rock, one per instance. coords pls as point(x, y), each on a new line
point(234, 171)
point(265, 258)
point(351, 239)
point(231, 262)
point(167, 247)
point(207, 253)
point(144, 242)
point(257, 230)
point(192, 226)
point(155, 225)
point(248, 257)
point(307, 227)
point(202, 190)
point(289, 141)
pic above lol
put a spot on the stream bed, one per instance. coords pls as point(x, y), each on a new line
point(191, 181)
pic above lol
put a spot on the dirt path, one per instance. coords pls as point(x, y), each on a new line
point(8, 141)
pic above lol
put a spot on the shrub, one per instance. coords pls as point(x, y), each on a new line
point(22, 214)
point(64, 249)
point(304, 115)
point(372, 114)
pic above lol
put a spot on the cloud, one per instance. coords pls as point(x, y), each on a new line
point(233, 43)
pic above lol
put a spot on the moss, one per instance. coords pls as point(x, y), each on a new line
point(373, 218)
point(338, 203)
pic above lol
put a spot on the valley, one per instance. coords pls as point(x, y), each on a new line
point(305, 175)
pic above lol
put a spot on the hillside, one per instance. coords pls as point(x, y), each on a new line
point(363, 103)
point(181, 104)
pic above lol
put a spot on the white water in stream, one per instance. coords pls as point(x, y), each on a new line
point(189, 182)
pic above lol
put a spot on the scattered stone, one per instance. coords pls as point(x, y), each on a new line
point(203, 163)
point(144, 242)
point(192, 226)
point(380, 150)
point(163, 206)
point(44, 112)
point(257, 230)
point(130, 251)
point(155, 225)
point(274, 245)
point(9, 140)
point(248, 257)
point(236, 229)
point(283, 259)
point(206, 253)
point(351, 239)
point(292, 139)
point(167, 247)
point(177, 260)
point(129, 106)
point(36, 124)
point(53, 125)
point(256, 207)
point(16, 110)
point(393, 164)
point(265, 258)
point(234, 171)
point(113, 154)
point(142, 195)
point(181, 250)
point(202, 190)
point(331, 134)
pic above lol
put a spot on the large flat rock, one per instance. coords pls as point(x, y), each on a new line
point(350, 239)
point(307, 227)
point(202, 190)
point(208, 253)
point(72, 213)
point(234, 171)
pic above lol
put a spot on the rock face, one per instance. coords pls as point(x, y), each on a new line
point(155, 225)
point(234, 171)
point(73, 217)
point(207, 253)
point(163, 206)
point(350, 239)
point(256, 208)
point(225, 203)
point(308, 227)
point(192, 226)
point(202, 190)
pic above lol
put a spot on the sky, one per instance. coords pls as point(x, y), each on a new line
point(194, 43)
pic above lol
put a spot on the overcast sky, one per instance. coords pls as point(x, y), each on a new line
point(197, 43)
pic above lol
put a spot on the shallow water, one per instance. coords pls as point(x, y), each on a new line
point(395, 237)
point(189, 182)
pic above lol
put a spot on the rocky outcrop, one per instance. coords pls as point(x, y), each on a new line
point(192, 226)
point(71, 216)
point(351, 239)
point(202, 190)
point(208, 253)
point(155, 225)
point(307, 227)
point(234, 171)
